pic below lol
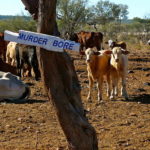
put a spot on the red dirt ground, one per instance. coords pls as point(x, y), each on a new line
point(120, 124)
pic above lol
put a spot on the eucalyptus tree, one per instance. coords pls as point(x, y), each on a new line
point(106, 12)
point(72, 14)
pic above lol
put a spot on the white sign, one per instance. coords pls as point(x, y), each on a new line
point(42, 40)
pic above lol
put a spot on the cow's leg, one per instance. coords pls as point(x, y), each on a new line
point(108, 85)
point(112, 96)
point(28, 67)
point(21, 72)
point(116, 86)
point(13, 62)
point(7, 58)
point(114, 91)
point(35, 67)
point(27, 70)
point(123, 88)
point(90, 88)
point(100, 84)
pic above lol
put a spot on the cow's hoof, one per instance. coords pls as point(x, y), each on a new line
point(126, 98)
point(111, 98)
point(89, 100)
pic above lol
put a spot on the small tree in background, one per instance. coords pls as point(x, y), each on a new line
point(71, 14)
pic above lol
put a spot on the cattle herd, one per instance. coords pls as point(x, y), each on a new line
point(17, 60)
point(105, 64)
point(112, 63)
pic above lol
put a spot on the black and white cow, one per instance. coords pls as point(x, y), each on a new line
point(26, 54)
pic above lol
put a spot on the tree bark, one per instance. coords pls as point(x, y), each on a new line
point(33, 6)
point(62, 86)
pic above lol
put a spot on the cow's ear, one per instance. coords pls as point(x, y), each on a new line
point(125, 52)
point(107, 52)
point(97, 53)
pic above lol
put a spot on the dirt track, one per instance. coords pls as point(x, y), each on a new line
point(120, 124)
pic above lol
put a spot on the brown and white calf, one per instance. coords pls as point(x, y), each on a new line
point(119, 67)
point(98, 65)
point(113, 44)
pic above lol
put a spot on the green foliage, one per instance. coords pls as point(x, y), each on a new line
point(17, 23)
point(72, 14)
point(137, 19)
point(106, 12)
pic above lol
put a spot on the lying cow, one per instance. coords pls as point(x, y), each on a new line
point(118, 65)
point(12, 88)
point(113, 44)
point(98, 65)
point(26, 58)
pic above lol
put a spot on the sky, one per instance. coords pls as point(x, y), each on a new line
point(136, 8)
point(12, 7)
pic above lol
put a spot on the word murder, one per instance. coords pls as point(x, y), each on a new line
point(44, 41)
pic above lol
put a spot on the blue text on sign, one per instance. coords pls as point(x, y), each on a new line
point(34, 39)
point(63, 44)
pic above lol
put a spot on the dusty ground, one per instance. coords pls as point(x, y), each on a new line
point(120, 124)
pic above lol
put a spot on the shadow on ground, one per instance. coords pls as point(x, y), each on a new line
point(24, 101)
point(143, 98)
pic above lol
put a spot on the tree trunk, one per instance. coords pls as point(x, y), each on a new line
point(62, 86)
point(33, 6)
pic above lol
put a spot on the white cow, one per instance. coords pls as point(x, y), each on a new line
point(119, 64)
point(12, 88)
point(11, 53)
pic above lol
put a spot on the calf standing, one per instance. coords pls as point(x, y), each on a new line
point(98, 65)
point(119, 64)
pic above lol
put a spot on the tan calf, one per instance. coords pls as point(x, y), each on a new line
point(98, 65)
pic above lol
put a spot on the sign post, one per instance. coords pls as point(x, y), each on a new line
point(45, 41)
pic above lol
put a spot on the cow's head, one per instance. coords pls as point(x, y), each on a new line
point(90, 52)
point(117, 52)
point(111, 43)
